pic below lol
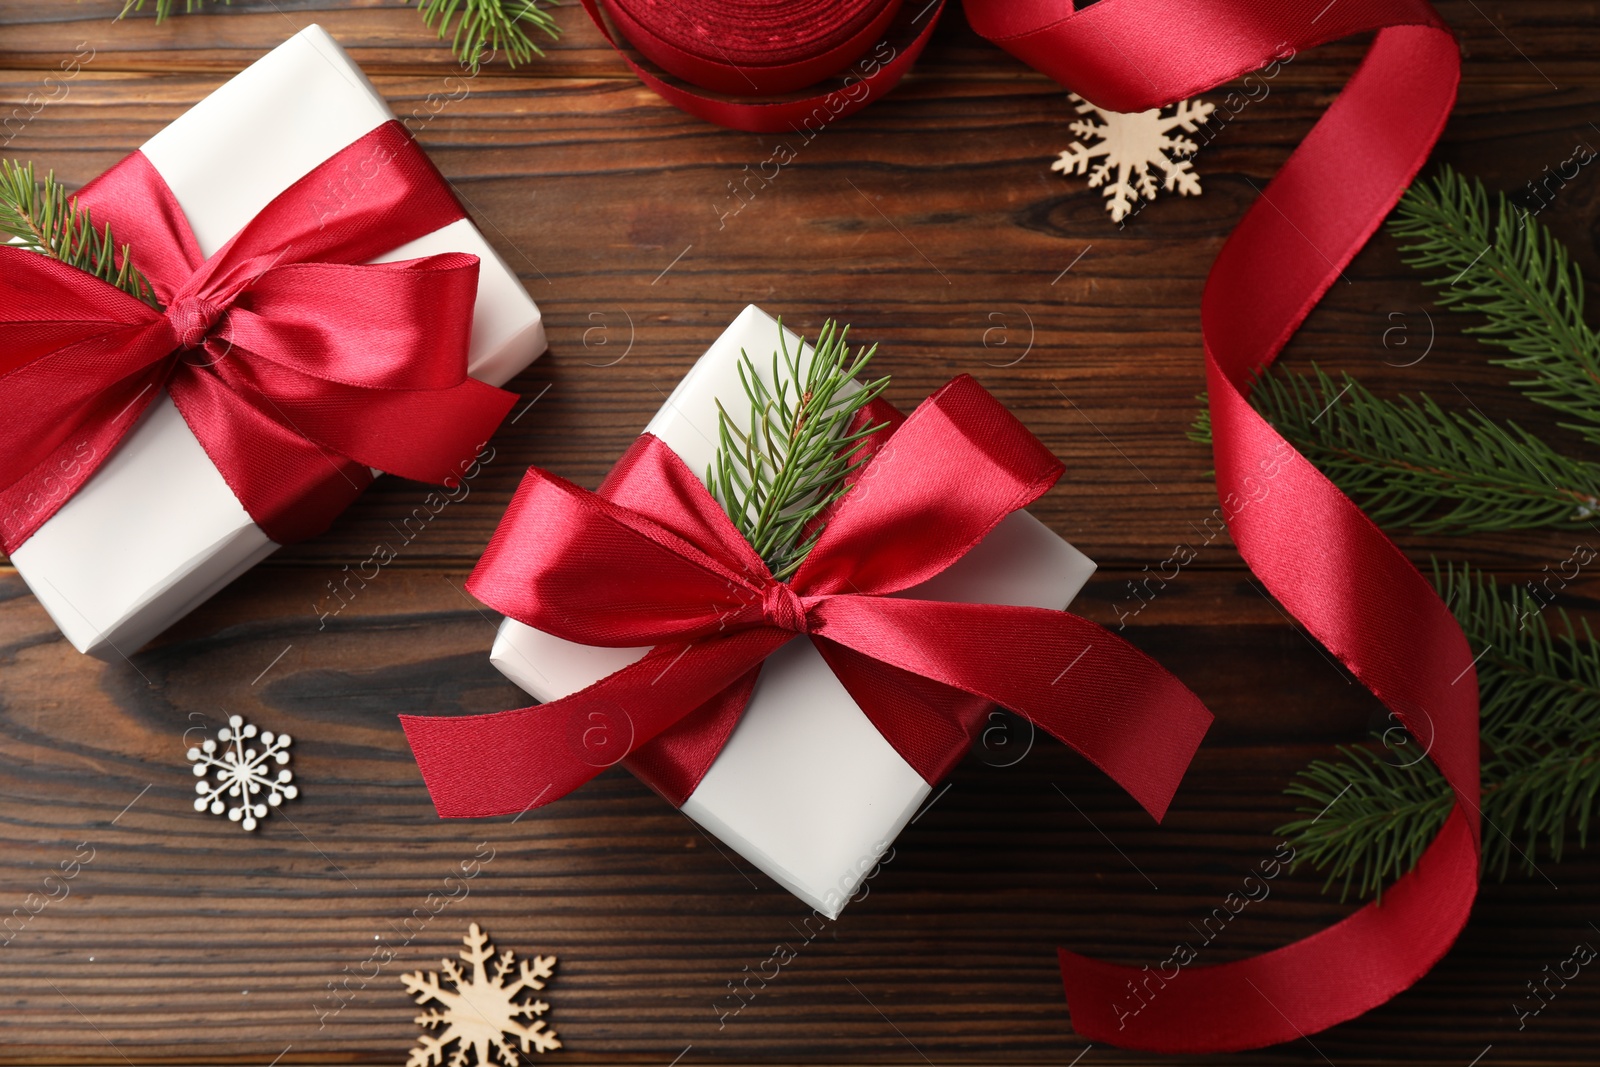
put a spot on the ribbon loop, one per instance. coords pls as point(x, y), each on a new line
point(932, 489)
point(586, 569)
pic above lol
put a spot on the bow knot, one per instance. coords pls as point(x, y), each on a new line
point(192, 319)
point(782, 607)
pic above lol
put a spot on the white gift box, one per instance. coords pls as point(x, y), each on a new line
point(806, 788)
point(156, 531)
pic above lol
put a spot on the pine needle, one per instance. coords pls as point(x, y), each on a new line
point(1408, 462)
point(776, 478)
point(41, 216)
point(165, 9)
point(485, 28)
point(478, 30)
point(1373, 813)
point(1494, 259)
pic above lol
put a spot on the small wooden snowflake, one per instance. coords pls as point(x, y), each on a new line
point(483, 1010)
point(242, 773)
point(1128, 145)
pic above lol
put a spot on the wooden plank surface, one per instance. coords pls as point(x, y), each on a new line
point(933, 224)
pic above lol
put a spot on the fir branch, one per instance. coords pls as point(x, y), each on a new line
point(1408, 462)
point(776, 478)
point(1370, 816)
point(165, 9)
point(1373, 813)
point(41, 216)
point(484, 28)
point(478, 30)
point(1493, 259)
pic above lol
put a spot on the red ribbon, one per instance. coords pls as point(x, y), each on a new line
point(769, 46)
point(740, 47)
point(1313, 548)
point(1315, 551)
point(297, 367)
point(652, 560)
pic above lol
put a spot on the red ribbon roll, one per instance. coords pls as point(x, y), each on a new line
point(753, 46)
point(1323, 559)
point(758, 47)
point(297, 365)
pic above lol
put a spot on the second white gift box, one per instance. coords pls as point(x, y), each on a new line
point(156, 531)
point(806, 788)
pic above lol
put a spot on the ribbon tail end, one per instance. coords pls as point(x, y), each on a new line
point(1157, 797)
point(443, 746)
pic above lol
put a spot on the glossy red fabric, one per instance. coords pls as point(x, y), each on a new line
point(1318, 554)
point(653, 560)
point(711, 48)
point(1313, 549)
point(753, 46)
point(296, 367)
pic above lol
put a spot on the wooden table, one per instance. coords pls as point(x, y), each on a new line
point(933, 223)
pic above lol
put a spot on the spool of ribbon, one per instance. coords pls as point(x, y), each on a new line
point(1315, 551)
point(651, 559)
point(297, 366)
point(749, 46)
point(744, 48)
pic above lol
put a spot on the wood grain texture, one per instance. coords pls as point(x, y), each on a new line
point(933, 224)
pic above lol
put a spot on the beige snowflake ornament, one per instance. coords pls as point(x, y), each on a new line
point(1119, 151)
point(483, 1010)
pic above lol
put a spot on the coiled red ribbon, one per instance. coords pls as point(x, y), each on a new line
point(1315, 551)
point(744, 47)
point(772, 48)
point(652, 560)
point(1313, 548)
point(297, 367)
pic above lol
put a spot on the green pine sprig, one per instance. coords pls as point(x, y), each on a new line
point(1370, 814)
point(1409, 462)
point(1493, 259)
point(165, 9)
point(485, 28)
point(478, 30)
point(776, 478)
point(41, 216)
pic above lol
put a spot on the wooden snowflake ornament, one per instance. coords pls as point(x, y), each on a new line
point(1127, 146)
point(242, 773)
point(483, 1010)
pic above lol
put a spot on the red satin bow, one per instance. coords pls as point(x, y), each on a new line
point(296, 367)
point(653, 560)
point(1315, 550)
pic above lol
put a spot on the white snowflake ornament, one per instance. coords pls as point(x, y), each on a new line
point(242, 773)
point(1127, 146)
point(482, 1011)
